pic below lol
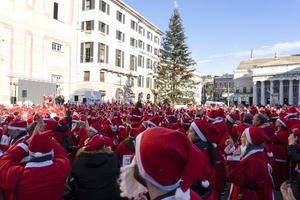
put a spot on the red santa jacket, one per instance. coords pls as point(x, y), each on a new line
point(279, 145)
point(35, 180)
point(250, 177)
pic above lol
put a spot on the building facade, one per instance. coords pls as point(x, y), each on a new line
point(223, 88)
point(37, 45)
point(207, 88)
point(118, 49)
point(198, 88)
point(269, 81)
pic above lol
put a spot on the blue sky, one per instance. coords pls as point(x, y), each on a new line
point(222, 32)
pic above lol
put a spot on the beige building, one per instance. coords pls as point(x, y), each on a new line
point(37, 45)
point(268, 81)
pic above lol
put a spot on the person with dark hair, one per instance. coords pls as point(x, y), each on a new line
point(95, 171)
point(203, 135)
point(279, 149)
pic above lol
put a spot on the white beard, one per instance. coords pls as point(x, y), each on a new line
point(129, 186)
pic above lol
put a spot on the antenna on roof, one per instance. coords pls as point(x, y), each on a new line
point(251, 54)
point(175, 4)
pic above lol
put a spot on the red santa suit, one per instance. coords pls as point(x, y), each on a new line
point(41, 178)
point(19, 125)
point(279, 149)
point(250, 175)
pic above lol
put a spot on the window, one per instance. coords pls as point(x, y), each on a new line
point(149, 48)
point(86, 52)
point(104, 28)
point(56, 46)
point(119, 58)
point(86, 76)
point(140, 81)
point(133, 63)
point(131, 81)
point(244, 90)
point(120, 36)
point(120, 17)
point(141, 61)
point(76, 98)
point(156, 39)
point(134, 25)
point(88, 4)
point(102, 76)
point(104, 7)
point(149, 63)
point(156, 51)
point(103, 53)
point(87, 25)
point(149, 35)
point(133, 42)
point(148, 83)
point(141, 31)
point(55, 10)
point(141, 44)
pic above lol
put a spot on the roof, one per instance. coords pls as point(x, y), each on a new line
point(267, 62)
point(140, 17)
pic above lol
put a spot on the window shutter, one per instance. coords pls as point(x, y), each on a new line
point(81, 52)
point(92, 4)
point(108, 8)
point(92, 25)
point(83, 4)
point(107, 29)
point(107, 54)
point(82, 26)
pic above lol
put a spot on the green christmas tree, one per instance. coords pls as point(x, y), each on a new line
point(175, 81)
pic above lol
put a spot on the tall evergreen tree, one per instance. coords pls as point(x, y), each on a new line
point(175, 81)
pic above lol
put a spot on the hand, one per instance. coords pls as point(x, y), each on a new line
point(292, 139)
point(287, 192)
point(229, 142)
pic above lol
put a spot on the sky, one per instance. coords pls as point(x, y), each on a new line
point(221, 33)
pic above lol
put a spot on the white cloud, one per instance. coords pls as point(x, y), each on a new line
point(226, 63)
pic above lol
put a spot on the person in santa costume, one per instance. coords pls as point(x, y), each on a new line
point(17, 132)
point(248, 170)
point(95, 171)
point(164, 166)
point(4, 140)
point(43, 176)
point(279, 149)
point(203, 135)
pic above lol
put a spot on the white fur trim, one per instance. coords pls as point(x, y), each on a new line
point(40, 154)
point(229, 118)
point(180, 195)
point(252, 152)
point(198, 132)
point(14, 128)
point(93, 129)
point(248, 135)
point(281, 122)
point(233, 158)
point(151, 123)
point(4, 139)
point(23, 146)
point(270, 154)
point(144, 174)
point(38, 164)
point(205, 183)
point(217, 120)
point(215, 145)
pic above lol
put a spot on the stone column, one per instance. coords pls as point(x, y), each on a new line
point(281, 92)
point(254, 93)
point(263, 96)
point(271, 91)
point(291, 92)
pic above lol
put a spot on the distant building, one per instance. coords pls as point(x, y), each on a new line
point(268, 81)
point(223, 88)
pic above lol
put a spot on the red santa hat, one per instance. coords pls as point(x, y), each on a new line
point(253, 110)
point(154, 121)
point(17, 124)
point(41, 144)
point(205, 131)
point(50, 124)
point(292, 110)
point(95, 143)
point(62, 122)
point(95, 127)
point(256, 135)
point(233, 117)
point(282, 121)
point(167, 159)
point(75, 118)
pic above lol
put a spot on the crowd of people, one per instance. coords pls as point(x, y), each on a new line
point(117, 151)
